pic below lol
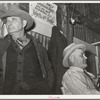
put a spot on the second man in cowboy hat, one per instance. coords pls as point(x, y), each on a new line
point(24, 64)
point(76, 79)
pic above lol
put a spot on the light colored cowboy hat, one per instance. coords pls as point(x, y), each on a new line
point(14, 10)
point(68, 50)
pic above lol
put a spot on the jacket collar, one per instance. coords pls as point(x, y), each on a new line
point(76, 68)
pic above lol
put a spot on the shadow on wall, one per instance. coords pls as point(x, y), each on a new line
point(91, 63)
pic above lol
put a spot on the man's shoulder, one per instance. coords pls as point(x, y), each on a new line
point(4, 42)
point(70, 73)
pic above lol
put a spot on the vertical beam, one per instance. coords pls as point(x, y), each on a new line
point(97, 61)
point(70, 27)
point(64, 24)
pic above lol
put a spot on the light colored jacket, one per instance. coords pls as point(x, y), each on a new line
point(76, 82)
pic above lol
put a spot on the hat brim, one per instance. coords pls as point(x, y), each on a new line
point(22, 14)
point(66, 57)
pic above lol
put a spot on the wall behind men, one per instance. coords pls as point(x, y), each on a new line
point(79, 29)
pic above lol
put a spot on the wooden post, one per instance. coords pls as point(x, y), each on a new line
point(97, 61)
point(68, 27)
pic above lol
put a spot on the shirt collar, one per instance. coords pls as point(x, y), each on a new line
point(76, 68)
point(27, 35)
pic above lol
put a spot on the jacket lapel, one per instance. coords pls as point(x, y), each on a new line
point(4, 44)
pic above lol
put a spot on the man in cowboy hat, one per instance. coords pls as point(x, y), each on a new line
point(24, 64)
point(77, 80)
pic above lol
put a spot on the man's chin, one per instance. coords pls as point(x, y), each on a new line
point(11, 32)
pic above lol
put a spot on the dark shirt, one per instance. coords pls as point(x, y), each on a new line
point(23, 71)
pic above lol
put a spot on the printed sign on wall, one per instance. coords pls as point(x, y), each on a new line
point(44, 15)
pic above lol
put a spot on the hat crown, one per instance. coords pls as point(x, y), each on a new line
point(13, 7)
point(2, 8)
point(68, 48)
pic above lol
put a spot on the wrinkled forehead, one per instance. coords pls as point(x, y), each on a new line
point(77, 52)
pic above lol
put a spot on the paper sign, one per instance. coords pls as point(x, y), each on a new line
point(45, 12)
point(44, 15)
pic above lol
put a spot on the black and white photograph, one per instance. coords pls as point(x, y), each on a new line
point(49, 48)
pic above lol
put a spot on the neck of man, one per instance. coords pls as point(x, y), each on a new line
point(18, 34)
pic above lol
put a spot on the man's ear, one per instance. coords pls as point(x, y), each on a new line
point(72, 58)
point(24, 23)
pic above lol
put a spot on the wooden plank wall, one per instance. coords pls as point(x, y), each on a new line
point(83, 32)
point(78, 30)
point(44, 40)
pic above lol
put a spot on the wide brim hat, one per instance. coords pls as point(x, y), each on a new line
point(14, 10)
point(70, 49)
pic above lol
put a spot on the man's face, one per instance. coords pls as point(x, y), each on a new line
point(78, 58)
point(14, 24)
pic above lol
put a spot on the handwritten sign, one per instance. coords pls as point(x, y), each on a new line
point(44, 12)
